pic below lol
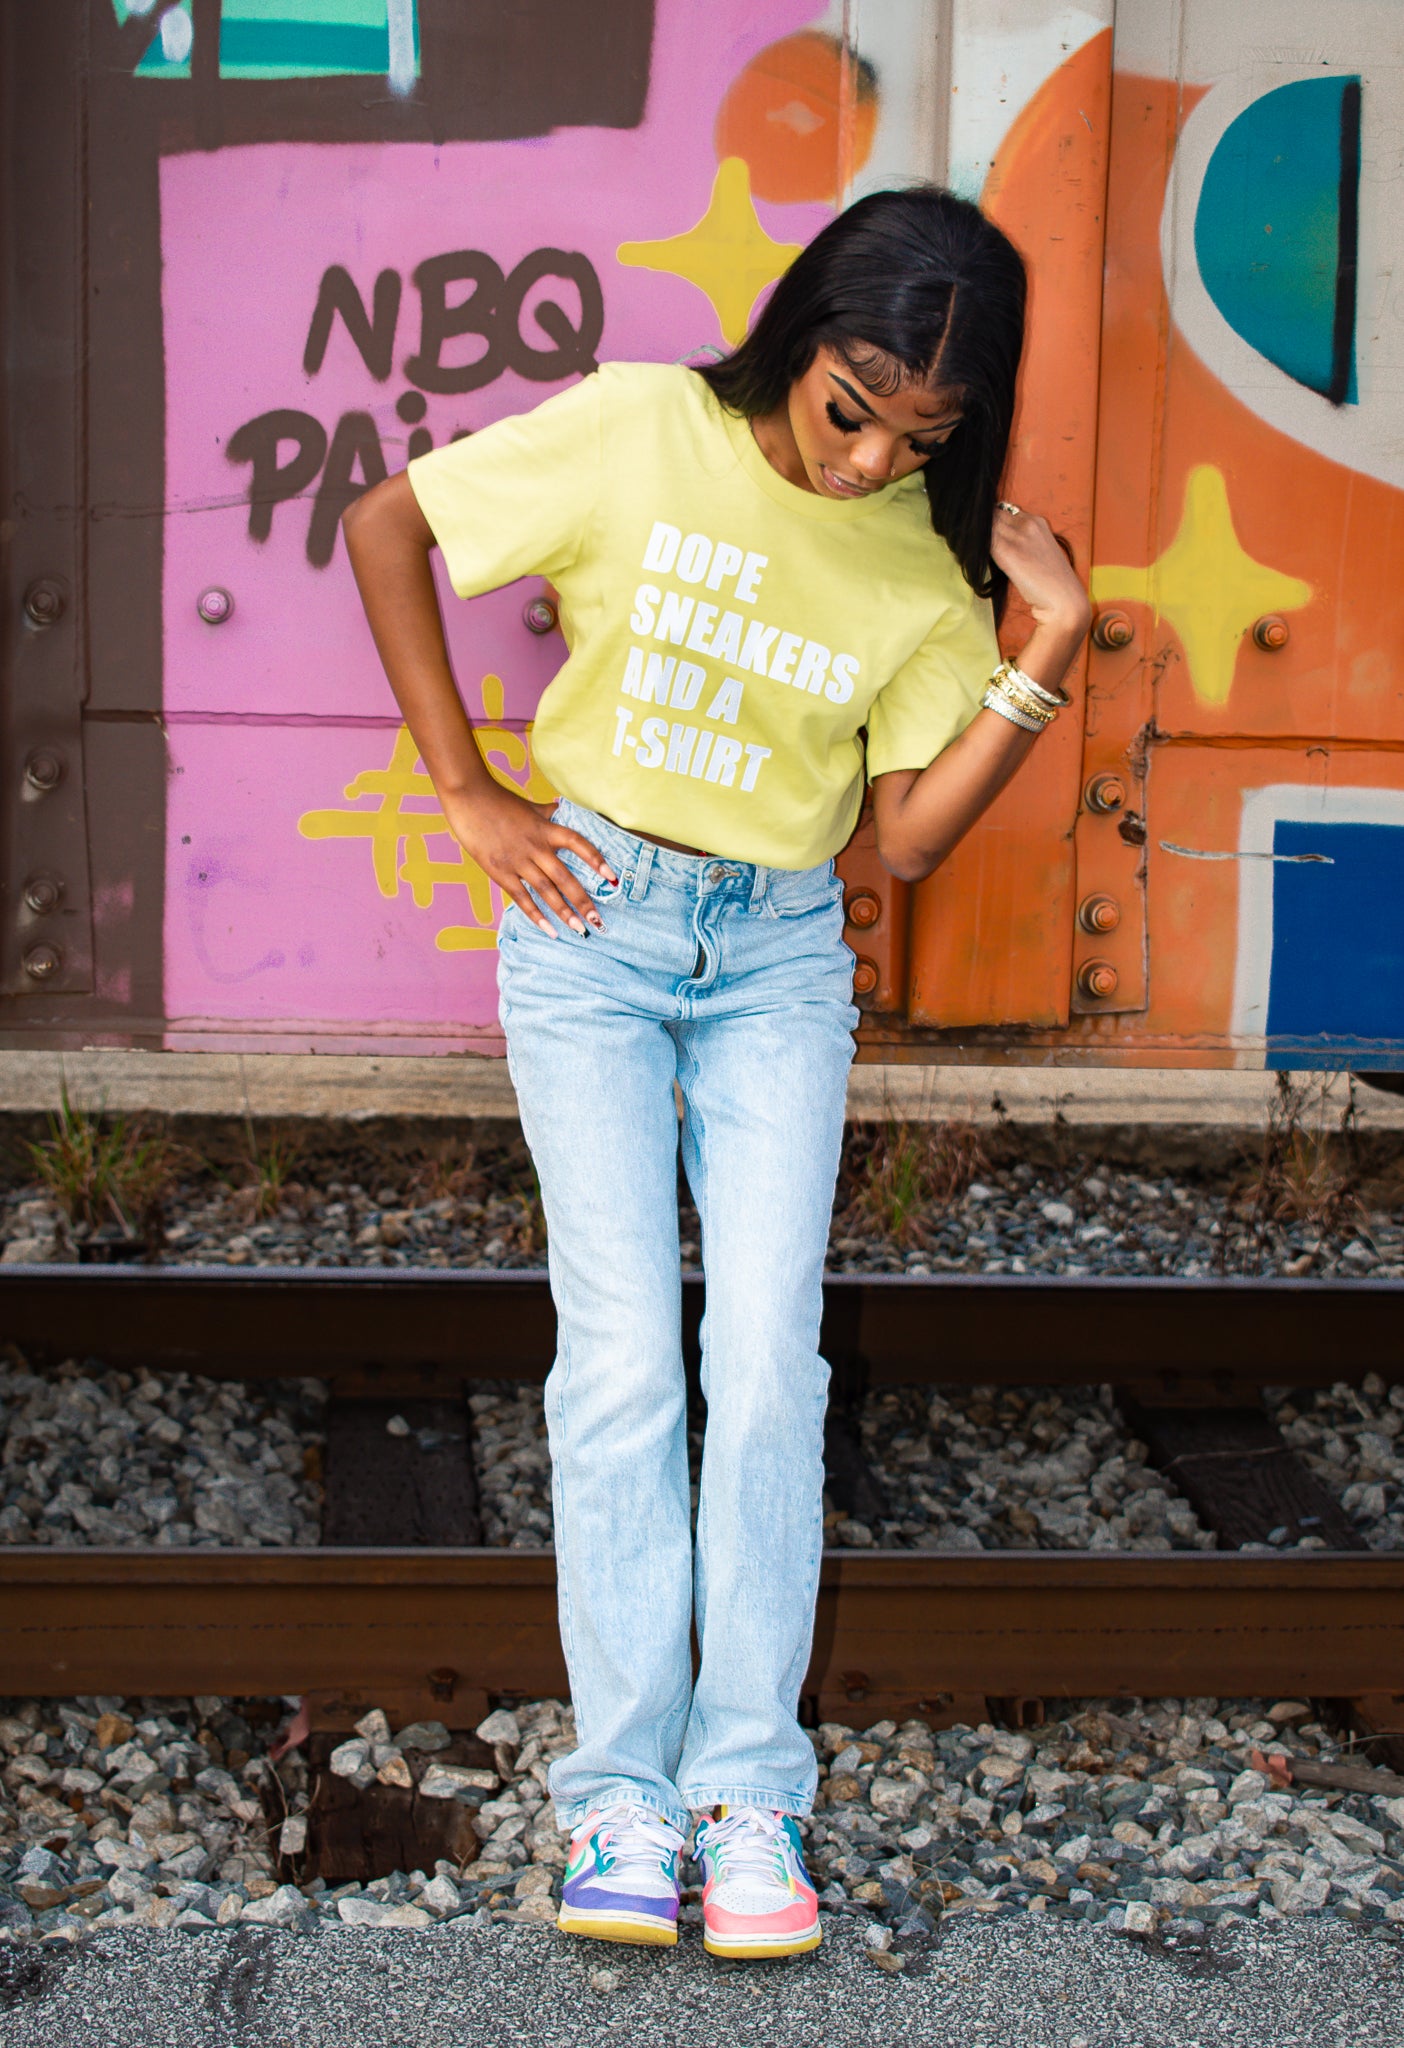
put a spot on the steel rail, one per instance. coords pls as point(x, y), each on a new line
point(893, 1630)
point(399, 1328)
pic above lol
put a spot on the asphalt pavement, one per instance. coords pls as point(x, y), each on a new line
point(987, 1984)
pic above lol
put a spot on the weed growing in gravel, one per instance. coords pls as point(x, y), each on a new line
point(1305, 1174)
point(896, 1169)
point(449, 1172)
point(271, 1163)
point(100, 1168)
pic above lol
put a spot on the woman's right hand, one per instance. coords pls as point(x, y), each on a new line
point(518, 847)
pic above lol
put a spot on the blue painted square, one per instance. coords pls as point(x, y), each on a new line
point(1338, 943)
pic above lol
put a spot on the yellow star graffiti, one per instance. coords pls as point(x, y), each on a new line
point(1206, 585)
point(728, 254)
point(399, 835)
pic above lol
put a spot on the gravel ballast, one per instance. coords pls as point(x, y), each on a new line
point(93, 1456)
point(1155, 1818)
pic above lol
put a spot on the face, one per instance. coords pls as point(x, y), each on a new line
point(850, 440)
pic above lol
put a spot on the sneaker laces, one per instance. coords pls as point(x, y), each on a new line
point(636, 1838)
point(749, 1843)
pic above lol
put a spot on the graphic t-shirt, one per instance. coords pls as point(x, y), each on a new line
point(730, 635)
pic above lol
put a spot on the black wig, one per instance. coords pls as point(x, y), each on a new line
point(924, 278)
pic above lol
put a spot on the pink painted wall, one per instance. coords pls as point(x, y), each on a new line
point(273, 926)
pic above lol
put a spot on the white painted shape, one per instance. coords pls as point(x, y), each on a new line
point(403, 70)
point(1288, 803)
point(1367, 436)
point(901, 39)
point(177, 35)
point(1002, 51)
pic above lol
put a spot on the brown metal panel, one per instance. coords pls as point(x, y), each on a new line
point(889, 1628)
point(46, 908)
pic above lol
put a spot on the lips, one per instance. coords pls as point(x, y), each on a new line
point(840, 486)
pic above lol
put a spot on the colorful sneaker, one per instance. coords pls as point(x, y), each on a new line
point(757, 1899)
point(621, 1882)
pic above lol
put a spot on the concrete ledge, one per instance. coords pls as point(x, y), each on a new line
point(300, 1085)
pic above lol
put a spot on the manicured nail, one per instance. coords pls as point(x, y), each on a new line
point(597, 922)
point(577, 926)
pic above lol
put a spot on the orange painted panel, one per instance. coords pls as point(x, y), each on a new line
point(991, 931)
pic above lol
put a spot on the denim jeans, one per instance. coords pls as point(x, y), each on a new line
point(734, 981)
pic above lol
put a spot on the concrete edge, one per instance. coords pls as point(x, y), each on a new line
point(365, 1086)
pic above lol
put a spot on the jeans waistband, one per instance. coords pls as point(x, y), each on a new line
point(639, 864)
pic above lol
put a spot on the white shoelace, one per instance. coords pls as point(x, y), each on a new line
point(748, 1840)
point(638, 1840)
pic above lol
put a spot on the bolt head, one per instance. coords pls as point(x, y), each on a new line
point(863, 908)
point(1112, 630)
point(1271, 632)
point(43, 894)
point(1099, 913)
point(540, 615)
point(214, 605)
point(44, 769)
point(1105, 793)
point(43, 602)
point(1098, 979)
point(42, 963)
point(865, 978)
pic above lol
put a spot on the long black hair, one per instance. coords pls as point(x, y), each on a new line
point(915, 284)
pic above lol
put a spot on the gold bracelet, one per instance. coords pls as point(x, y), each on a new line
point(1010, 692)
point(1059, 700)
point(1000, 701)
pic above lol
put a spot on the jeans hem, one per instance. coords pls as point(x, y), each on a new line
point(703, 1797)
point(569, 1817)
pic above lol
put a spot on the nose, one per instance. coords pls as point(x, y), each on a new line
point(873, 456)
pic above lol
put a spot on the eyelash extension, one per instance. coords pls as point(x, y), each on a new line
point(847, 426)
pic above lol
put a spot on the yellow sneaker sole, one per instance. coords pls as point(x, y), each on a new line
point(613, 1927)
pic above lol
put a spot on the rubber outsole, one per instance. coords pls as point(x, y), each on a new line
point(786, 1945)
point(613, 1927)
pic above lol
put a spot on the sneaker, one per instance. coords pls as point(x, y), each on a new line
point(757, 1899)
point(621, 1881)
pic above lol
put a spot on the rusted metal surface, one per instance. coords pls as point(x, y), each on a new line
point(406, 1330)
point(892, 1631)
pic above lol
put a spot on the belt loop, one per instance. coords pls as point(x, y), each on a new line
point(760, 889)
point(643, 869)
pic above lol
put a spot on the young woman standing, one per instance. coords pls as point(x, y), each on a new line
point(775, 576)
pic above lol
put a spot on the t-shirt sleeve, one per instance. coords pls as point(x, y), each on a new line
point(936, 693)
point(515, 499)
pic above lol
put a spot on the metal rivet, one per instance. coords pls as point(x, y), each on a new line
point(43, 894)
point(1098, 979)
point(865, 977)
point(1271, 632)
point(43, 602)
point(214, 605)
point(44, 769)
point(540, 616)
point(1099, 913)
point(863, 908)
point(443, 1682)
point(42, 963)
point(1104, 794)
point(1112, 630)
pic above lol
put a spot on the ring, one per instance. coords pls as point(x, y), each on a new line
point(1003, 505)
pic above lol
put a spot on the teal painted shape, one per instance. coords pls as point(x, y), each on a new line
point(317, 39)
point(1267, 230)
point(157, 63)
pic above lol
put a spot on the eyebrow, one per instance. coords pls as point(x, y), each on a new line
point(939, 420)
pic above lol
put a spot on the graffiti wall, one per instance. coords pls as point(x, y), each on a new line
point(316, 237)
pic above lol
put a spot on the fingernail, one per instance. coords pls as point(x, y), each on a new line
point(577, 926)
point(598, 923)
point(610, 876)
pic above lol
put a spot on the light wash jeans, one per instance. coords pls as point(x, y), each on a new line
point(736, 981)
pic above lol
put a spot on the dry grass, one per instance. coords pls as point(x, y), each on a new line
point(896, 1171)
point(271, 1165)
point(102, 1169)
point(1306, 1173)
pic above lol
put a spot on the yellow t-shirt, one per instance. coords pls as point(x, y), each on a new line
point(730, 635)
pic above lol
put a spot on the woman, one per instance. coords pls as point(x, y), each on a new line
point(760, 600)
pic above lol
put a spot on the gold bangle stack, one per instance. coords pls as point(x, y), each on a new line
point(1021, 700)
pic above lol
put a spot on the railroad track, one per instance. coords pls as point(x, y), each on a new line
point(443, 1629)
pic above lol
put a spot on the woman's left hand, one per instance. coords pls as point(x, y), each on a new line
point(1023, 546)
